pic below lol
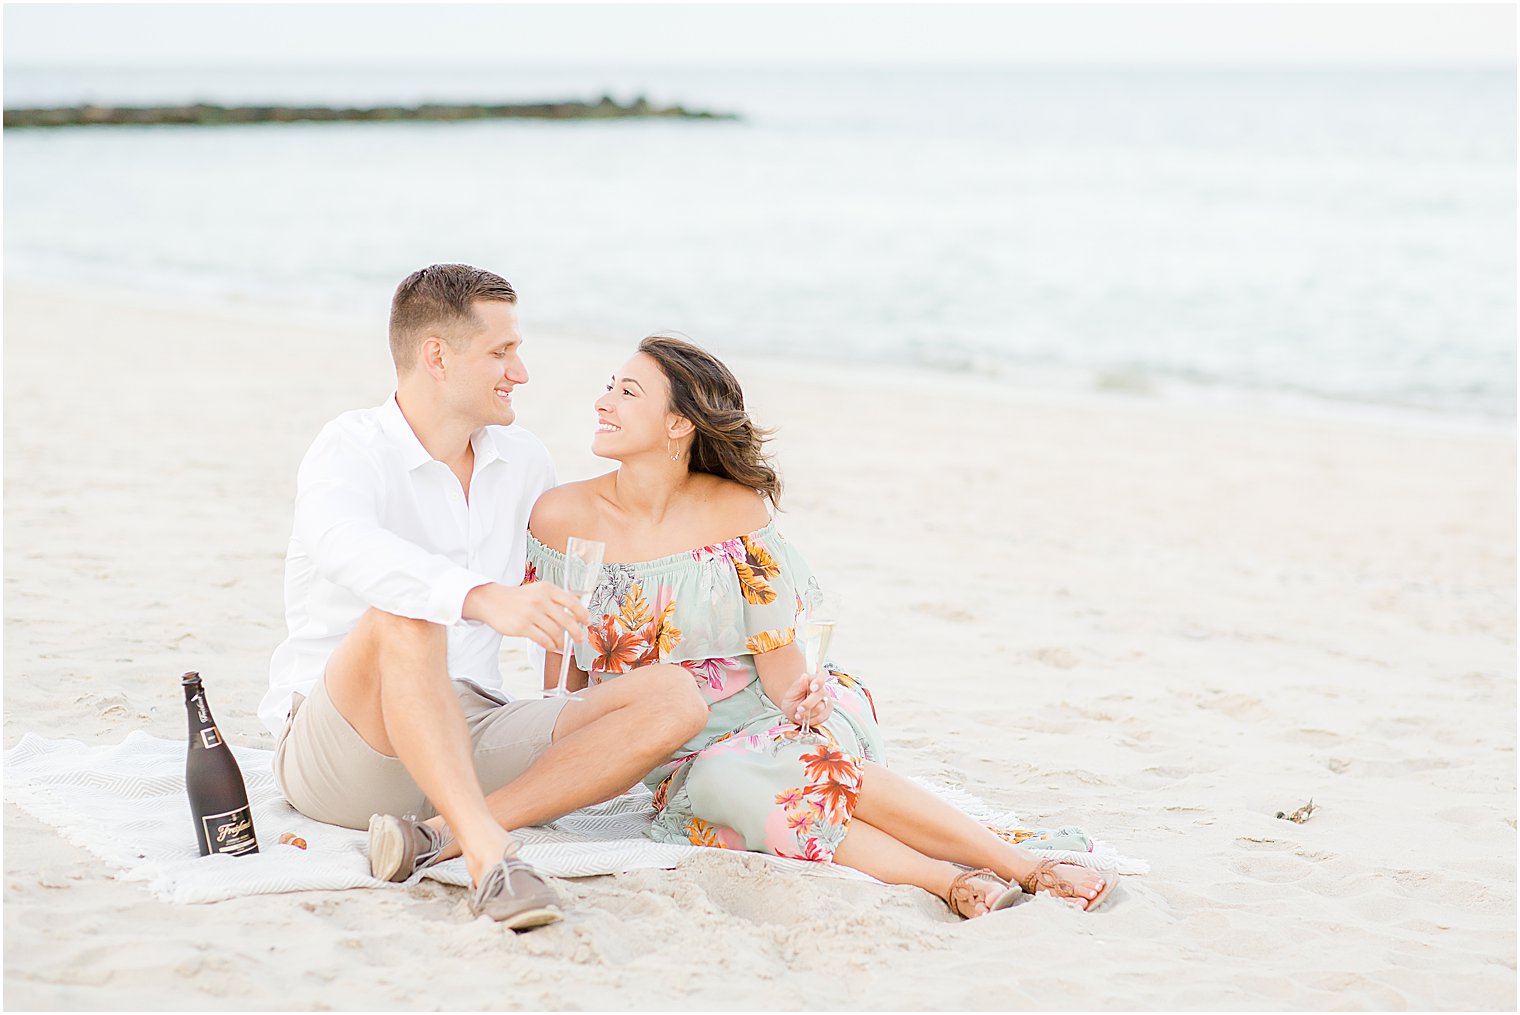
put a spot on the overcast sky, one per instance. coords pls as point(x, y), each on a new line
point(486, 34)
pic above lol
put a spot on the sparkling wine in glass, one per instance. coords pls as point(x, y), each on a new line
point(820, 614)
point(583, 572)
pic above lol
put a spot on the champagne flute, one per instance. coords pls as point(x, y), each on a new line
point(820, 614)
point(583, 572)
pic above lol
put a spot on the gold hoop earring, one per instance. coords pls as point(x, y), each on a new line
point(674, 457)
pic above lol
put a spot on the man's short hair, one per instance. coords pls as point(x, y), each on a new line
point(439, 300)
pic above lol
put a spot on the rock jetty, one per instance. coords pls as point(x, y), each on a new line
point(204, 114)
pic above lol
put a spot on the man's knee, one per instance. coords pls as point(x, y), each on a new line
point(354, 669)
point(388, 630)
point(672, 692)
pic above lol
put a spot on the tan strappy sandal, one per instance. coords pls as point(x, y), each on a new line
point(963, 898)
point(1045, 879)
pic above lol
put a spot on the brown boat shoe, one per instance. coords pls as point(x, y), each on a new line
point(400, 847)
point(514, 894)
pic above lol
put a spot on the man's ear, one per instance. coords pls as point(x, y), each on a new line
point(432, 357)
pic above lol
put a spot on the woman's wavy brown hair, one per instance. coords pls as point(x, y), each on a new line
point(726, 442)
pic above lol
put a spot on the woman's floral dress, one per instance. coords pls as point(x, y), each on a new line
point(750, 779)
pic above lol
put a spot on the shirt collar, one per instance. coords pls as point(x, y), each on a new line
point(400, 432)
point(414, 454)
point(486, 448)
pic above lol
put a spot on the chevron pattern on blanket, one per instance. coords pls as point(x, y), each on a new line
point(126, 804)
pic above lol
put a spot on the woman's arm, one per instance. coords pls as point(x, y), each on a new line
point(779, 670)
point(799, 695)
point(574, 681)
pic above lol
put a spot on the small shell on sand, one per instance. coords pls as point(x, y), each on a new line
point(292, 839)
point(1301, 815)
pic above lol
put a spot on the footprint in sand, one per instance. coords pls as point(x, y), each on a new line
point(1236, 706)
point(1476, 681)
point(944, 612)
point(109, 706)
point(1273, 868)
point(1351, 990)
point(1160, 776)
point(1314, 737)
point(1059, 658)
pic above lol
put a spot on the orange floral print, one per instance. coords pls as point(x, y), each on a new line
point(702, 833)
point(755, 572)
point(666, 634)
point(634, 610)
point(659, 634)
point(636, 635)
point(838, 798)
point(616, 651)
point(1013, 835)
point(789, 798)
point(662, 792)
point(829, 764)
point(769, 641)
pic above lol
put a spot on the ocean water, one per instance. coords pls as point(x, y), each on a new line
point(1333, 235)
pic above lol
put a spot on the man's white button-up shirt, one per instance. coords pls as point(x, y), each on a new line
point(379, 522)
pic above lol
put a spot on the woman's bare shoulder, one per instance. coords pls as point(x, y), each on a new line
point(734, 508)
point(570, 509)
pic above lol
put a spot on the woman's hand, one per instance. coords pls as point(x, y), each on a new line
point(808, 700)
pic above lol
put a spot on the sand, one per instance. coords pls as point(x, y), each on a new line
point(1164, 623)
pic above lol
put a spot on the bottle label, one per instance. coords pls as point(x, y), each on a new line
point(211, 737)
point(230, 832)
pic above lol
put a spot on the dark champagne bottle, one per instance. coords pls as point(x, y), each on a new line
point(218, 798)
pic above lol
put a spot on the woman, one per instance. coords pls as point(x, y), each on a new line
point(698, 576)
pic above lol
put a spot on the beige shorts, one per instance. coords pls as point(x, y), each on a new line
point(328, 772)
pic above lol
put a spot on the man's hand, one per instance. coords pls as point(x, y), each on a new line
point(541, 612)
point(807, 701)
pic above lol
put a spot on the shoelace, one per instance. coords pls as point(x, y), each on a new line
point(498, 879)
point(437, 841)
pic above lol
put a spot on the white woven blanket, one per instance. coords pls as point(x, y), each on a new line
point(126, 804)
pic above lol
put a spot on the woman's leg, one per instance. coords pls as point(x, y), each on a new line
point(867, 848)
point(933, 827)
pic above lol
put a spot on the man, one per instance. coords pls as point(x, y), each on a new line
point(402, 575)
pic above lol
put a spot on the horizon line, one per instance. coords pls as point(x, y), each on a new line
point(391, 65)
